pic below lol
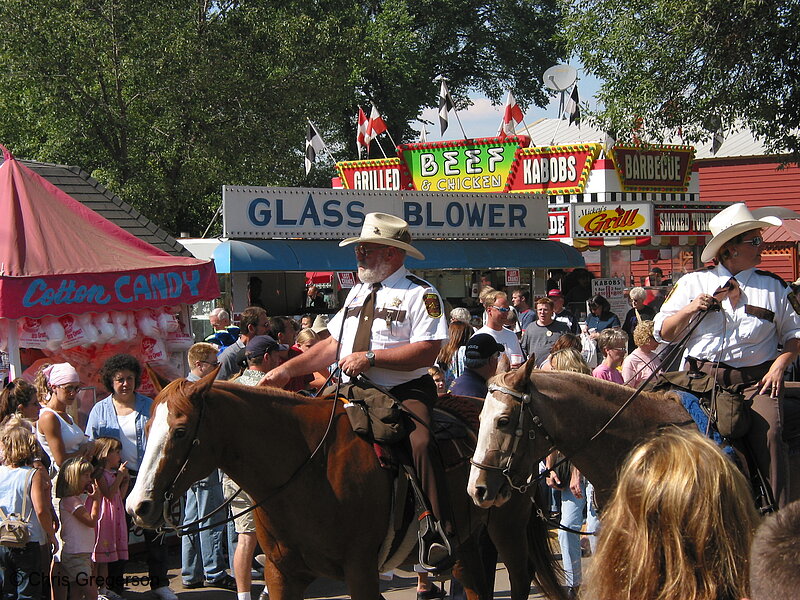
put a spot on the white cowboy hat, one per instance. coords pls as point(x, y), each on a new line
point(320, 324)
point(388, 230)
point(729, 223)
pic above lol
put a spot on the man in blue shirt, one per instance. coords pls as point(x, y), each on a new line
point(480, 359)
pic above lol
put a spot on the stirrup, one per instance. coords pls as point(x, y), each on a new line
point(435, 551)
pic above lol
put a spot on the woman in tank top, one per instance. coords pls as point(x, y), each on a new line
point(58, 434)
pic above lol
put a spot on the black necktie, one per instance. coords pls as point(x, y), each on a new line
point(730, 290)
point(365, 317)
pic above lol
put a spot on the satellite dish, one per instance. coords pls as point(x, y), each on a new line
point(560, 77)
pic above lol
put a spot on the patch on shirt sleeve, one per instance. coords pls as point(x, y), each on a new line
point(794, 301)
point(674, 287)
point(433, 305)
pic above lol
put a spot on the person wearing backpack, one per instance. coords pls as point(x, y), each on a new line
point(25, 497)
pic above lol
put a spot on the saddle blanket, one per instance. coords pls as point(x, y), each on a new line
point(695, 410)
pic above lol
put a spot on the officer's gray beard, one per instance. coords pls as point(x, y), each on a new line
point(374, 275)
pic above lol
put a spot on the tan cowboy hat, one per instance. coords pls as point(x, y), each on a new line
point(388, 230)
point(320, 324)
point(729, 223)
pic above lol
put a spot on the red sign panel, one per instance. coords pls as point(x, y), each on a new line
point(378, 174)
point(558, 223)
point(552, 169)
point(346, 279)
point(512, 277)
point(653, 168)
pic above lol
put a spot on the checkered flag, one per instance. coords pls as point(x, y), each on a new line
point(314, 145)
point(445, 106)
point(574, 108)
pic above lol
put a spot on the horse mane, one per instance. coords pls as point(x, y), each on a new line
point(178, 397)
point(608, 390)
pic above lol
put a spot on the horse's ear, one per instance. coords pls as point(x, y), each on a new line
point(529, 366)
point(159, 382)
point(503, 364)
point(202, 386)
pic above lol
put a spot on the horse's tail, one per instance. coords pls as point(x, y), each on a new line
point(542, 562)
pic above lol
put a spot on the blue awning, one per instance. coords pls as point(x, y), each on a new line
point(236, 256)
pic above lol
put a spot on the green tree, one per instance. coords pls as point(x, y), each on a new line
point(164, 102)
point(697, 65)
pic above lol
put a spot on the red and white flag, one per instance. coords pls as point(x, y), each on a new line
point(375, 125)
point(361, 133)
point(511, 117)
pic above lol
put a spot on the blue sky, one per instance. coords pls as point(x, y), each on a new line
point(482, 119)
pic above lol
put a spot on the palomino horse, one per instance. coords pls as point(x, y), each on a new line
point(527, 413)
point(324, 512)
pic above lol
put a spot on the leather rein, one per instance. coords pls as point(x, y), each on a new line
point(189, 528)
point(524, 481)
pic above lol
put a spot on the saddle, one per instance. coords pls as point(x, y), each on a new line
point(727, 408)
point(455, 437)
point(693, 393)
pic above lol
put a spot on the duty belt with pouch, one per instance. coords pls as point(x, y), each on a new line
point(732, 415)
point(374, 414)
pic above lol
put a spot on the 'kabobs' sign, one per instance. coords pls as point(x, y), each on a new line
point(553, 169)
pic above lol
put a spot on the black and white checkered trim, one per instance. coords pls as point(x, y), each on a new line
point(621, 197)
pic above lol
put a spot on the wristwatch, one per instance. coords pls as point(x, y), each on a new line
point(370, 357)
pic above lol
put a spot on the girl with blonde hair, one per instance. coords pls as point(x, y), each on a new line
point(569, 359)
point(25, 490)
point(679, 525)
point(573, 492)
point(78, 522)
point(111, 530)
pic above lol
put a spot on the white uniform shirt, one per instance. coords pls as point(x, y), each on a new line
point(407, 310)
point(744, 337)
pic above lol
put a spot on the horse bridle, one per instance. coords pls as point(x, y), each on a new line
point(525, 404)
point(506, 469)
point(185, 529)
point(168, 494)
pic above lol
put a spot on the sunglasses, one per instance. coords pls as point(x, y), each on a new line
point(756, 241)
point(71, 389)
point(500, 308)
point(213, 364)
point(361, 250)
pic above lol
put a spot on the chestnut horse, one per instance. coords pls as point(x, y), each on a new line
point(529, 412)
point(323, 512)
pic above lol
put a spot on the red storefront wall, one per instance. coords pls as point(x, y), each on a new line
point(758, 183)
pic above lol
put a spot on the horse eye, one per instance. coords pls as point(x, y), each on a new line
point(503, 422)
point(179, 433)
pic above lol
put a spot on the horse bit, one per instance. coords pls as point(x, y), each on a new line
point(506, 469)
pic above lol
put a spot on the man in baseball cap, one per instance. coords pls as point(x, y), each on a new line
point(480, 361)
point(262, 355)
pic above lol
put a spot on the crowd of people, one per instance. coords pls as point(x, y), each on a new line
point(680, 523)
